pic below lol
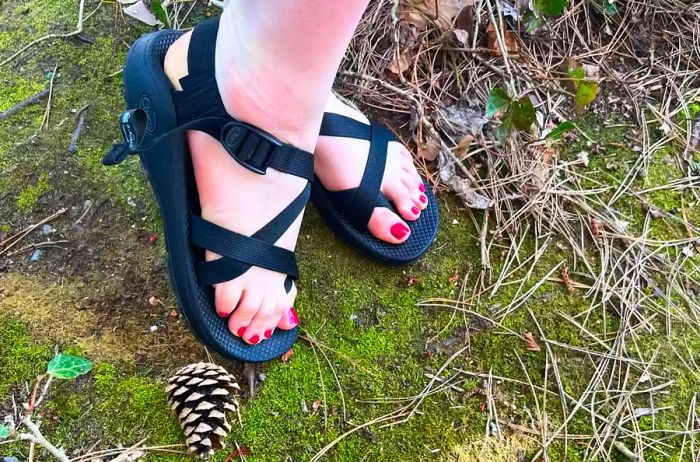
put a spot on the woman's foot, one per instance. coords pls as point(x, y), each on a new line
point(255, 303)
point(340, 162)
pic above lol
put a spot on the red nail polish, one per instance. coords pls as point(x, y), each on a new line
point(421, 187)
point(423, 199)
point(241, 331)
point(415, 210)
point(254, 339)
point(222, 315)
point(268, 333)
point(399, 230)
point(293, 318)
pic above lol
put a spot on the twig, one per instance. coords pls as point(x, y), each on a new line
point(22, 104)
point(82, 114)
point(11, 241)
point(38, 438)
point(39, 245)
point(78, 30)
point(47, 114)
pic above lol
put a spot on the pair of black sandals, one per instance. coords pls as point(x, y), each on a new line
point(154, 125)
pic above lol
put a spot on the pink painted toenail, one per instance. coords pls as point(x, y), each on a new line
point(268, 333)
point(415, 210)
point(222, 315)
point(241, 331)
point(254, 339)
point(421, 187)
point(423, 199)
point(292, 316)
point(399, 230)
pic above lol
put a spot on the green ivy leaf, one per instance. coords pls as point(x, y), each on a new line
point(68, 367)
point(498, 101)
point(586, 93)
point(550, 7)
point(160, 13)
point(4, 431)
point(506, 128)
point(695, 168)
point(522, 113)
point(559, 130)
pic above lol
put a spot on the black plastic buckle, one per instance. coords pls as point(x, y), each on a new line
point(235, 134)
point(133, 124)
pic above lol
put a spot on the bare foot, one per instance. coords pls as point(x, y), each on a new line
point(340, 162)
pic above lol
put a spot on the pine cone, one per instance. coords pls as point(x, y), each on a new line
point(201, 394)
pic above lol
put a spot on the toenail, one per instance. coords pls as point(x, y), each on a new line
point(399, 230)
point(254, 339)
point(222, 315)
point(415, 210)
point(241, 331)
point(421, 187)
point(423, 199)
point(292, 316)
point(268, 333)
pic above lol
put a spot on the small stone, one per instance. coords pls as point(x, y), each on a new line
point(262, 377)
point(154, 328)
point(153, 300)
point(36, 255)
point(174, 314)
point(47, 229)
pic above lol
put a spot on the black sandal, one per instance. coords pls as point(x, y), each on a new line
point(348, 212)
point(154, 126)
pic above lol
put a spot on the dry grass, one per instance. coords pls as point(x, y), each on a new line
point(647, 57)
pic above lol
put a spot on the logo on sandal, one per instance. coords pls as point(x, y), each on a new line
point(145, 104)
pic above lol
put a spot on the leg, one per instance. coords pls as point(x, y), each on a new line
point(276, 61)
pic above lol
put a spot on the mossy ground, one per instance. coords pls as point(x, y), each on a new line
point(373, 341)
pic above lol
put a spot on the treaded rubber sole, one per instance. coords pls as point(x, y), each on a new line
point(423, 230)
point(170, 173)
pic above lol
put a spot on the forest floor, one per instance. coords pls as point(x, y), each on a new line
point(444, 361)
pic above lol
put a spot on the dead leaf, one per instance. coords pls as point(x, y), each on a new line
point(140, 11)
point(420, 13)
point(461, 119)
point(530, 342)
point(462, 149)
point(285, 357)
point(447, 172)
point(242, 451)
point(153, 300)
point(465, 18)
point(494, 47)
point(429, 148)
point(454, 278)
point(399, 65)
point(315, 405)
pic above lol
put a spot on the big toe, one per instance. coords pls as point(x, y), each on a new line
point(387, 226)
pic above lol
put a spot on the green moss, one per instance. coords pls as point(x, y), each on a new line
point(31, 194)
point(21, 359)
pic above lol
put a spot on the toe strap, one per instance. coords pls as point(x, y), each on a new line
point(359, 203)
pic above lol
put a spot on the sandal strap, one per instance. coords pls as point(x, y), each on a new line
point(360, 202)
point(226, 269)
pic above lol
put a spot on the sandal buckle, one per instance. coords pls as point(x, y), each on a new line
point(257, 159)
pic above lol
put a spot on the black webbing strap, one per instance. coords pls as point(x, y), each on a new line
point(344, 127)
point(226, 269)
point(255, 252)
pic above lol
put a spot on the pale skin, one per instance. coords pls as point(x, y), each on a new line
point(276, 61)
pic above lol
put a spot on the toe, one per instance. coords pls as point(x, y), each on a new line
point(264, 321)
point(226, 297)
point(244, 313)
point(400, 196)
point(387, 226)
point(285, 306)
point(289, 319)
